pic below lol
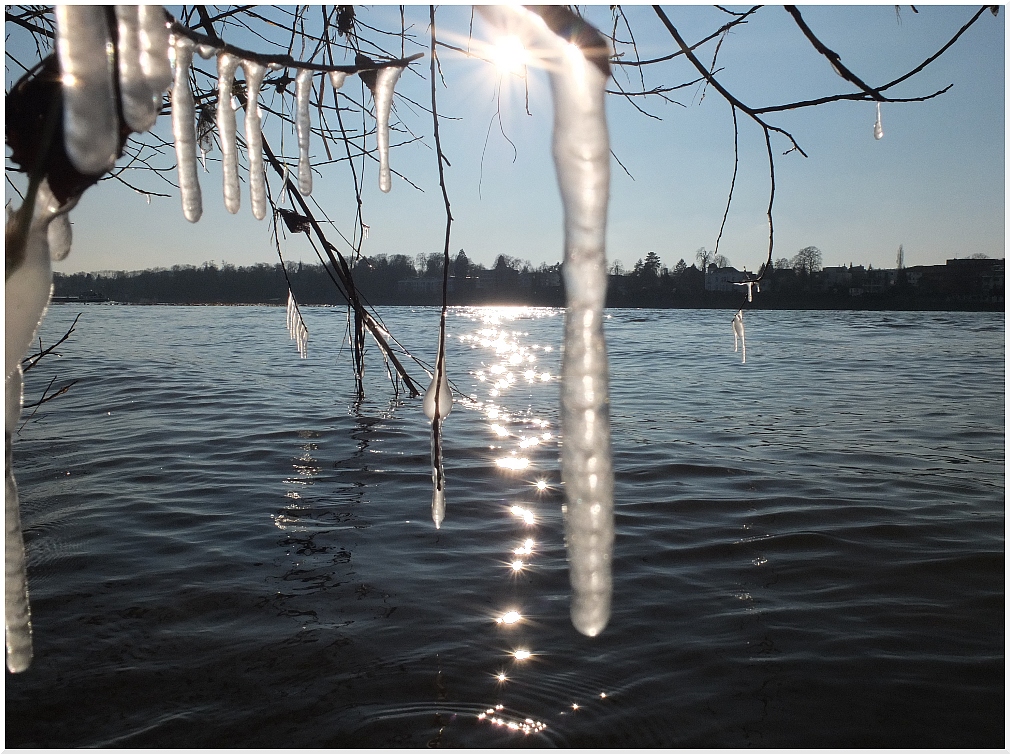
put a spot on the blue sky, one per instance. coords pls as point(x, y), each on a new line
point(934, 183)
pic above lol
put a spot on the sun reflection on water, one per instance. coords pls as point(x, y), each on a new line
point(509, 381)
point(510, 618)
point(513, 463)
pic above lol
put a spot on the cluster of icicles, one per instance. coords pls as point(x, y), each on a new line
point(147, 51)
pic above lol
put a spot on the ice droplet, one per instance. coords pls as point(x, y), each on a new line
point(303, 87)
point(226, 65)
point(337, 79)
point(444, 395)
point(385, 82)
point(184, 132)
point(90, 123)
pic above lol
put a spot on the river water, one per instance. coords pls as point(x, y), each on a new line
point(226, 550)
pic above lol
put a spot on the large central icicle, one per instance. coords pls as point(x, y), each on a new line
point(582, 160)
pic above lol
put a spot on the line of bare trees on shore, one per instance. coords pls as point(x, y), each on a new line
point(800, 282)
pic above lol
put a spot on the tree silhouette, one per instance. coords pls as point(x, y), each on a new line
point(807, 260)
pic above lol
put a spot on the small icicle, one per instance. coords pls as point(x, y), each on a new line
point(303, 88)
point(337, 79)
point(206, 51)
point(878, 128)
point(254, 73)
point(154, 43)
point(90, 123)
point(437, 475)
point(739, 342)
point(144, 69)
point(284, 187)
point(296, 326)
point(385, 82)
point(205, 132)
point(751, 286)
point(184, 132)
point(137, 101)
point(226, 65)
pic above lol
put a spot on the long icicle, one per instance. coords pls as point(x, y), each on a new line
point(184, 132)
point(26, 294)
point(437, 404)
point(303, 88)
point(90, 123)
point(226, 65)
point(254, 73)
point(385, 83)
point(582, 160)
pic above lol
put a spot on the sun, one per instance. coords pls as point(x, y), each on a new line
point(509, 55)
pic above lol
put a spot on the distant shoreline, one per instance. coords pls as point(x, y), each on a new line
point(960, 285)
point(755, 306)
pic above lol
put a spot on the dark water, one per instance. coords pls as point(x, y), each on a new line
point(225, 551)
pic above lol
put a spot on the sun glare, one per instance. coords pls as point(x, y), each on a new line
point(509, 54)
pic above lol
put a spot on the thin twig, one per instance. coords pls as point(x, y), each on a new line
point(29, 361)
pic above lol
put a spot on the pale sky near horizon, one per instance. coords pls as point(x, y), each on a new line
point(935, 183)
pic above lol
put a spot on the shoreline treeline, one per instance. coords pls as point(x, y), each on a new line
point(800, 283)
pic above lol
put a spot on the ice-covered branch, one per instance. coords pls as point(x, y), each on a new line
point(438, 398)
point(281, 61)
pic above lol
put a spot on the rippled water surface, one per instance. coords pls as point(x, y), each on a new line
point(225, 550)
